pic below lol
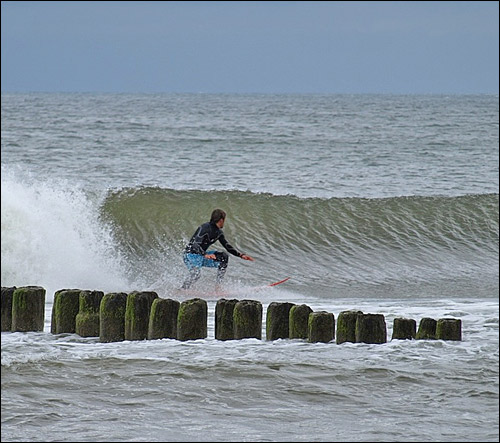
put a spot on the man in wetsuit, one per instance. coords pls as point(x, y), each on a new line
point(196, 255)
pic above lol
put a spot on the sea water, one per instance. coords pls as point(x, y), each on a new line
point(381, 203)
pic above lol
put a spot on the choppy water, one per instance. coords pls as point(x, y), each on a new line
point(387, 204)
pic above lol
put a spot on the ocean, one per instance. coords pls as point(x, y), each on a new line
point(386, 204)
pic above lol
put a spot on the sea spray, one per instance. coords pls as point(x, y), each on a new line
point(52, 236)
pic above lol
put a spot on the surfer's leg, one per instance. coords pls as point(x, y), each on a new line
point(220, 262)
point(194, 275)
point(222, 259)
point(193, 263)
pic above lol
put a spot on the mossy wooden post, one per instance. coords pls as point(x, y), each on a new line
point(278, 320)
point(449, 329)
point(297, 321)
point(426, 329)
point(137, 314)
point(163, 318)
point(192, 319)
point(28, 309)
point(7, 294)
point(53, 321)
point(112, 317)
point(64, 311)
point(371, 328)
point(346, 326)
point(321, 327)
point(224, 326)
point(404, 329)
point(87, 319)
point(247, 319)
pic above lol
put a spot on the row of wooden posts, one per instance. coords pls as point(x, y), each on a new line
point(119, 316)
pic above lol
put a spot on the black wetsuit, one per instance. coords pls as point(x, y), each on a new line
point(205, 236)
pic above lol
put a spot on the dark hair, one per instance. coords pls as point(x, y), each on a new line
point(217, 214)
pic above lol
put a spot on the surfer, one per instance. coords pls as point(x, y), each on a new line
point(196, 255)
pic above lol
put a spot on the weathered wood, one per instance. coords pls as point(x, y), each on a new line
point(297, 326)
point(247, 318)
point(192, 319)
point(112, 317)
point(224, 324)
point(321, 327)
point(404, 329)
point(28, 309)
point(278, 320)
point(163, 318)
point(346, 326)
point(137, 312)
point(371, 328)
point(87, 319)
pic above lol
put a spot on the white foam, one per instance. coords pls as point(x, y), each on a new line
point(52, 237)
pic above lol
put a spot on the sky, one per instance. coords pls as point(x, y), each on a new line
point(405, 47)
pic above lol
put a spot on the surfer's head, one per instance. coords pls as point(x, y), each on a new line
point(217, 216)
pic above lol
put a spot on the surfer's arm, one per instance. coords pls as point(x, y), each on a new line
point(232, 250)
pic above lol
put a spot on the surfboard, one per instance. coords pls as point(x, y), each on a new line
point(227, 292)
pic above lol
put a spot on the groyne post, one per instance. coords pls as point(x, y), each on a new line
point(163, 318)
point(28, 309)
point(224, 325)
point(426, 329)
point(278, 320)
point(247, 319)
point(321, 327)
point(192, 319)
point(449, 329)
point(137, 310)
point(112, 317)
point(404, 329)
point(371, 328)
point(297, 322)
point(64, 311)
point(7, 294)
point(346, 326)
point(87, 319)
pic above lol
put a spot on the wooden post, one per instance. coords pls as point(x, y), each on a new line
point(321, 327)
point(87, 319)
point(192, 319)
point(247, 318)
point(224, 325)
point(137, 312)
point(404, 329)
point(449, 329)
point(28, 309)
point(299, 316)
point(163, 318)
point(426, 329)
point(7, 294)
point(346, 326)
point(371, 328)
point(112, 317)
point(64, 311)
point(278, 320)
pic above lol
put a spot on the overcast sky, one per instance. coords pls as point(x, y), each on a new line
point(269, 47)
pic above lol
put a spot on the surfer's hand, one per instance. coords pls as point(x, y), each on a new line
point(246, 257)
point(210, 256)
